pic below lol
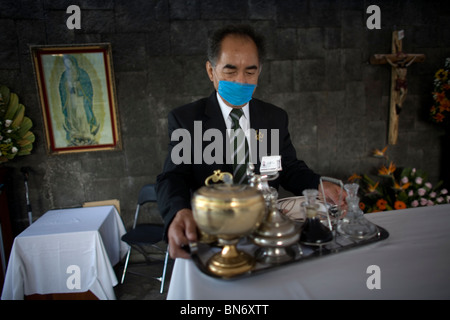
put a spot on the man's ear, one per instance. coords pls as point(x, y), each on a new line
point(209, 70)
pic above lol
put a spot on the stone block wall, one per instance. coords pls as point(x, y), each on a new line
point(316, 70)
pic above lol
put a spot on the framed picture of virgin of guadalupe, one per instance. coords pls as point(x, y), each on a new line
point(77, 96)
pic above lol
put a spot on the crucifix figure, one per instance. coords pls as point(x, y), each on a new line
point(399, 62)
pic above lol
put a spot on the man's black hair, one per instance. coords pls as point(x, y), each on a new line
point(214, 42)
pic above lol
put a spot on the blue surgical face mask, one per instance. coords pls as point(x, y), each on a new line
point(235, 93)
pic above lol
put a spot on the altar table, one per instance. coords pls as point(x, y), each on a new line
point(67, 251)
point(413, 262)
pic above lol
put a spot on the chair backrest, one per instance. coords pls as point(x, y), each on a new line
point(147, 194)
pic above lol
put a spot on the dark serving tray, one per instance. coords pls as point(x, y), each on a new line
point(201, 252)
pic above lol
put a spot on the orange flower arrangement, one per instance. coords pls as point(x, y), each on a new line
point(397, 189)
point(440, 110)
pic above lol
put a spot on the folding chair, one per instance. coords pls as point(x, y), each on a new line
point(145, 234)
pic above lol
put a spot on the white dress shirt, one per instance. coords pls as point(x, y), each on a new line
point(244, 121)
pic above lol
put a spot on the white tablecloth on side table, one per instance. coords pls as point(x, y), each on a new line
point(414, 263)
point(42, 256)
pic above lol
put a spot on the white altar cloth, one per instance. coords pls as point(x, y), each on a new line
point(414, 263)
point(67, 251)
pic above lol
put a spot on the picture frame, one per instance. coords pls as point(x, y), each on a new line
point(78, 98)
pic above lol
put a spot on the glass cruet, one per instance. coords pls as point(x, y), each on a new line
point(355, 225)
point(313, 230)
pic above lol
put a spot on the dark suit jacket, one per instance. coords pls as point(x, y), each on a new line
point(177, 182)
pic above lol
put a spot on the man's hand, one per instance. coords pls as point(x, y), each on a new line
point(182, 230)
point(332, 192)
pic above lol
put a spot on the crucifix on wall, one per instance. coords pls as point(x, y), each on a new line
point(399, 62)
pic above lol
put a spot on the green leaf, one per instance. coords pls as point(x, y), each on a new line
point(367, 179)
point(406, 172)
point(25, 150)
point(4, 91)
point(18, 117)
point(402, 196)
point(13, 106)
point(25, 126)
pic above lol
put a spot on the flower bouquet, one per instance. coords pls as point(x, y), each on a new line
point(397, 189)
point(15, 135)
point(440, 111)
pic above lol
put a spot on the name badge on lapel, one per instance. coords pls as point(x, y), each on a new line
point(270, 164)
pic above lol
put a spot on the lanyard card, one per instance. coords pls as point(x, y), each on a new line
point(270, 164)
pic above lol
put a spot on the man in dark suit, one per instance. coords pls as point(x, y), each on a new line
point(234, 64)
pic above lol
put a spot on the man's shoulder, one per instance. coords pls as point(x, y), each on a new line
point(195, 107)
point(268, 108)
point(190, 108)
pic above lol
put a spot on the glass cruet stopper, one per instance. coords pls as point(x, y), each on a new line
point(352, 189)
point(313, 232)
point(310, 195)
point(309, 206)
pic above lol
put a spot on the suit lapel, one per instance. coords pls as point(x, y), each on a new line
point(256, 123)
point(213, 115)
point(214, 120)
point(263, 124)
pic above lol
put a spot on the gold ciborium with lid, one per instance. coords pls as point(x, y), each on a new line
point(228, 212)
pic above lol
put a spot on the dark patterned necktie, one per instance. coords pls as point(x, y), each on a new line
point(240, 149)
